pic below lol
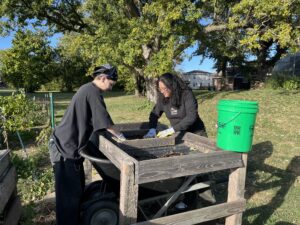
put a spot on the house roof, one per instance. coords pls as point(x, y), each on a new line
point(196, 72)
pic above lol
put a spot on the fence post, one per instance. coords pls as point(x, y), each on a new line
point(52, 110)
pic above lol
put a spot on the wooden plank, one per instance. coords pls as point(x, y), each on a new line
point(7, 186)
point(14, 213)
point(236, 190)
point(137, 126)
point(200, 141)
point(158, 152)
point(177, 166)
point(113, 152)
point(131, 126)
point(199, 215)
point(135, 133)
point(128, 194)
point(4, 160)
point(198, 148)
point(147, 143)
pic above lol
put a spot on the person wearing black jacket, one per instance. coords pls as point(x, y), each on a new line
point(86, 114)
point(178, 102)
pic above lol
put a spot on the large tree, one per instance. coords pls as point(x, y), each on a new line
point(257, 33)
point(142, 37)
point(270, 27)
point(71, 67)
point(145, 38)
point(28, 63)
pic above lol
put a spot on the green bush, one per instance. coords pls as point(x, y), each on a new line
point(19, 112)
point(43, 137)
point(54, 85)
point(273, 83)
point(287, 83)
point(291, 84)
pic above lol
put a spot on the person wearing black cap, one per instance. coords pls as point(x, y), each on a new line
point(86, 114)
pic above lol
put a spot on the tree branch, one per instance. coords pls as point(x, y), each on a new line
point(212, 28)
point(132, 9)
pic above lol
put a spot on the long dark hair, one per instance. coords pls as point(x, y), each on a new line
point(176, 86)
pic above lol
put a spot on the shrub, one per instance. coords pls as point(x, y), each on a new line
point(274, 83)
point(18, 112)
point(34, 180)
point(54, 85)
point(292, 84)
point(43, 137)
point(287, 83)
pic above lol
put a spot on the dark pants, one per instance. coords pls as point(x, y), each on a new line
point(69, 187)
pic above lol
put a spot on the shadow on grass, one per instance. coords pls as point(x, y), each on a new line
point(279, 179)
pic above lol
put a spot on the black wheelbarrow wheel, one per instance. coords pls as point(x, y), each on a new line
point(101, 213)
point(93, 190)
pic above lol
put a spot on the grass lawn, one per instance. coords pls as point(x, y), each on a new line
point(273, 183)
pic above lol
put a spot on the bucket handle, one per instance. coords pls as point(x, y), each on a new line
point(222, 125)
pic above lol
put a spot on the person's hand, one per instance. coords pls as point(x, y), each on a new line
point(151, 133)
point(166, 133)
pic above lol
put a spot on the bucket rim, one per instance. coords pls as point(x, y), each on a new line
point(235, 102)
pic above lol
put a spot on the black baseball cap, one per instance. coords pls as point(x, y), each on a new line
point(107, 69)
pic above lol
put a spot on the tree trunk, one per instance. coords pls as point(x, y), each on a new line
point(221, 67)
point(151, 89)
point(139, 85)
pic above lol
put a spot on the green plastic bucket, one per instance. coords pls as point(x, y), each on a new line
point(236, 120)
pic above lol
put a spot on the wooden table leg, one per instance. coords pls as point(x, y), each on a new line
point(236, 190)
point(128, 194)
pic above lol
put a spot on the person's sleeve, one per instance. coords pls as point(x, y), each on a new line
point(155, 115)
point(100, 117)
point(191, 108)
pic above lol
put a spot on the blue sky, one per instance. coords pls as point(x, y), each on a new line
point(194, 63)
point(186, 65)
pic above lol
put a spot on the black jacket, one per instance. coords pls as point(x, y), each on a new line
point(182, 118)
point(86, 114)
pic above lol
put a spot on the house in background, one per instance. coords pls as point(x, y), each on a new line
point(198, 79)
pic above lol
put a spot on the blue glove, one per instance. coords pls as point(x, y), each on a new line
point(166, 133)
point(151, 133)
